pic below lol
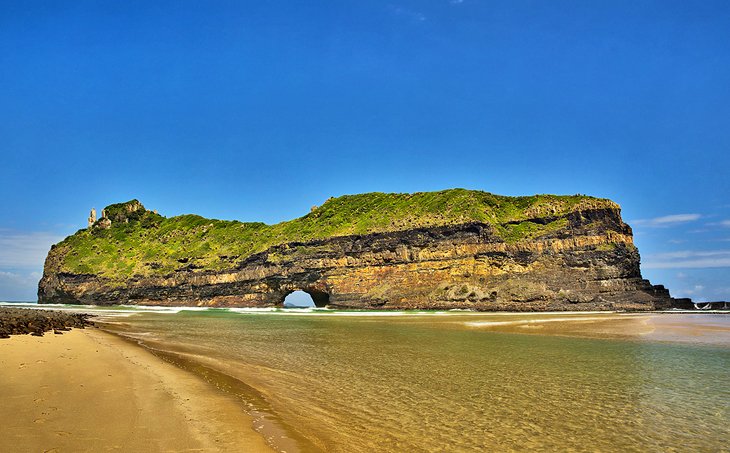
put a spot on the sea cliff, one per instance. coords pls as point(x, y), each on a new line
point(454, 249)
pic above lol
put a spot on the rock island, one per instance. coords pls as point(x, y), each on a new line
point(453, 249)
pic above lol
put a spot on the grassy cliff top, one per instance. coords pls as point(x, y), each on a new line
point(141, 242)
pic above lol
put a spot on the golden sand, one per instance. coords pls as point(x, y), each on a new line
point(87, 390)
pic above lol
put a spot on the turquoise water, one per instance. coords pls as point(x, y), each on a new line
point(357, 382)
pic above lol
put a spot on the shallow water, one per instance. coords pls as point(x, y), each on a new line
point(361, 382)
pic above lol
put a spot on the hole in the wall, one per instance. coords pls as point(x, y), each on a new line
point(307, 298)
point(298, 299)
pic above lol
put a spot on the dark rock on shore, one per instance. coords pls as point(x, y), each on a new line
point(21, 321)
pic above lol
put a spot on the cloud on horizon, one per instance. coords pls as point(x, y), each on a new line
point(688, 259)
point(19, 286)
point(21, 262)
point(667, 221)
point(25, 250)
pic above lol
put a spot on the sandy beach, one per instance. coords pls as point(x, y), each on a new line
point(306, 381)
point(87, 390)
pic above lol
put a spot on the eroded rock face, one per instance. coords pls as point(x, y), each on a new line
point(590, 264)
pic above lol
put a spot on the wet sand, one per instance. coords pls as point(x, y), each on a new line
point(705, 328)
point(87, 390)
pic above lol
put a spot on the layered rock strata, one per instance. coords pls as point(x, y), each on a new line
point(589, 263)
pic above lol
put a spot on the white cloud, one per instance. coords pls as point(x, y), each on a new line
point(676, 218)
point(668, 220)
point(24, 250)
point(688, 259)
point(725, 223)
point(683, 254)
point(694, 291)
point(697, 292)
point(21, 261)
point(18, 278)
point(411, 14)
point(18, 286)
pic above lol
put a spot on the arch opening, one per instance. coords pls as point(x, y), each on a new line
point(306, 298)
point(298, 299)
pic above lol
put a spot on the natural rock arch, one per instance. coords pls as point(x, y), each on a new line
point(439, 250)
point(298, 299)
point(320, 297)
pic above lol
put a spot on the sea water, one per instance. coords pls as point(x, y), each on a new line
point(317, 380)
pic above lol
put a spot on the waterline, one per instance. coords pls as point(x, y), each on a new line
point(427, 382)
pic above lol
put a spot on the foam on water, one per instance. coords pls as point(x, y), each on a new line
point(167, 309)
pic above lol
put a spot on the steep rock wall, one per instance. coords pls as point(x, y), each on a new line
point(588, 264)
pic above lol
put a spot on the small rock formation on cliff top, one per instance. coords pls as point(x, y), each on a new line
point(450, 249)
point(92, 217)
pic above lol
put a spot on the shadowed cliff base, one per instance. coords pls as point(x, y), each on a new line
point(455, 249)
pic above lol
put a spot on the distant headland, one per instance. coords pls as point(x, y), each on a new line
point(453, 249)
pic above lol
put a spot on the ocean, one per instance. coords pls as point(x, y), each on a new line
point(323, 380)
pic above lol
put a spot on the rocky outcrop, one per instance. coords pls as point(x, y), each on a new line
point(588, 263)
point(92, 217)
point(20, 321)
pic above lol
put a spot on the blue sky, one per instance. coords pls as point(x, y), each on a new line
point(258, 110)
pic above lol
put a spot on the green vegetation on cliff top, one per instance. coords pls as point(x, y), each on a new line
point(141, 242)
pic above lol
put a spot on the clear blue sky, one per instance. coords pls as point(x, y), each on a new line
point(258, 110)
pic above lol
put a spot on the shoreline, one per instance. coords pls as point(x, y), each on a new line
point(96, 310)
point(57, 388)
point(265, 422)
